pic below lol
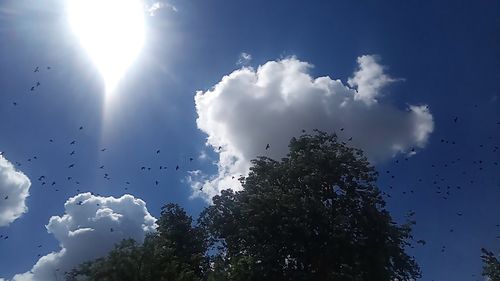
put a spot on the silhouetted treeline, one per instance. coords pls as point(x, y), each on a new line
point(315, 215)
point(491, 265)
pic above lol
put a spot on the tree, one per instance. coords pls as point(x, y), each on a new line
point(491, 265)
point(176, 252)
point(314, 215)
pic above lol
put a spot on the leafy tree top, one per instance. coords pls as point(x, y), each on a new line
point(315, 215)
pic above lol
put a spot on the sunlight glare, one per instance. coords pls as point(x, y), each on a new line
point(112, 32)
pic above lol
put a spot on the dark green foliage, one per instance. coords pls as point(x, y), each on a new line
point(315, 215)
point(175, 253)
point(491, 265)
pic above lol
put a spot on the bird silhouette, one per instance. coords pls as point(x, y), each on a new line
point(37, 69)
point(267, 146)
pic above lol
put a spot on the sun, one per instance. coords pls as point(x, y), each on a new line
point(111, 31)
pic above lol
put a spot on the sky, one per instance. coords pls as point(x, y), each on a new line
point(171, 105)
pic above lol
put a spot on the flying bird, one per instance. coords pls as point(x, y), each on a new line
point(36, 69)
point(422, 242)
point(267, 146)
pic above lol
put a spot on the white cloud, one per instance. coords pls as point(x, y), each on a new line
point(369, 79)
point(153, 7)
point(249, 109)
point(91, 226)
point(14, 189)
point(244, 59)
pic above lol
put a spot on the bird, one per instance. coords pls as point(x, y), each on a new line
point(6, 197)
point(81, 128)
point(267, 146)
point(72, 153)
point(71, 166)
point(157, 151)
point(101, 167)
point(103, 149)
point(36, 69)
point(111, 230)
point(422, 242)
point(455, 119)
point(190, 159)
point(73, 142)
point(37, 83)
point(32, 88)
point(48, 67)
point(14, 103)
point(177, 167)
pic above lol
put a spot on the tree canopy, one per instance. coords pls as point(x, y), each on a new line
point(491, 265)
point(314, 215)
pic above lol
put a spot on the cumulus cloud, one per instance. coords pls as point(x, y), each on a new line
point(14, 189)
point(90, 228)
point(153, 7)
point(251, 108)
point(369, 80)
point(244, 59)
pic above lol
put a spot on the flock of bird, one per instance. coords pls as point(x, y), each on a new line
point(435, 177)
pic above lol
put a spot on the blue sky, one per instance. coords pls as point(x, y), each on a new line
point(444, 54)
